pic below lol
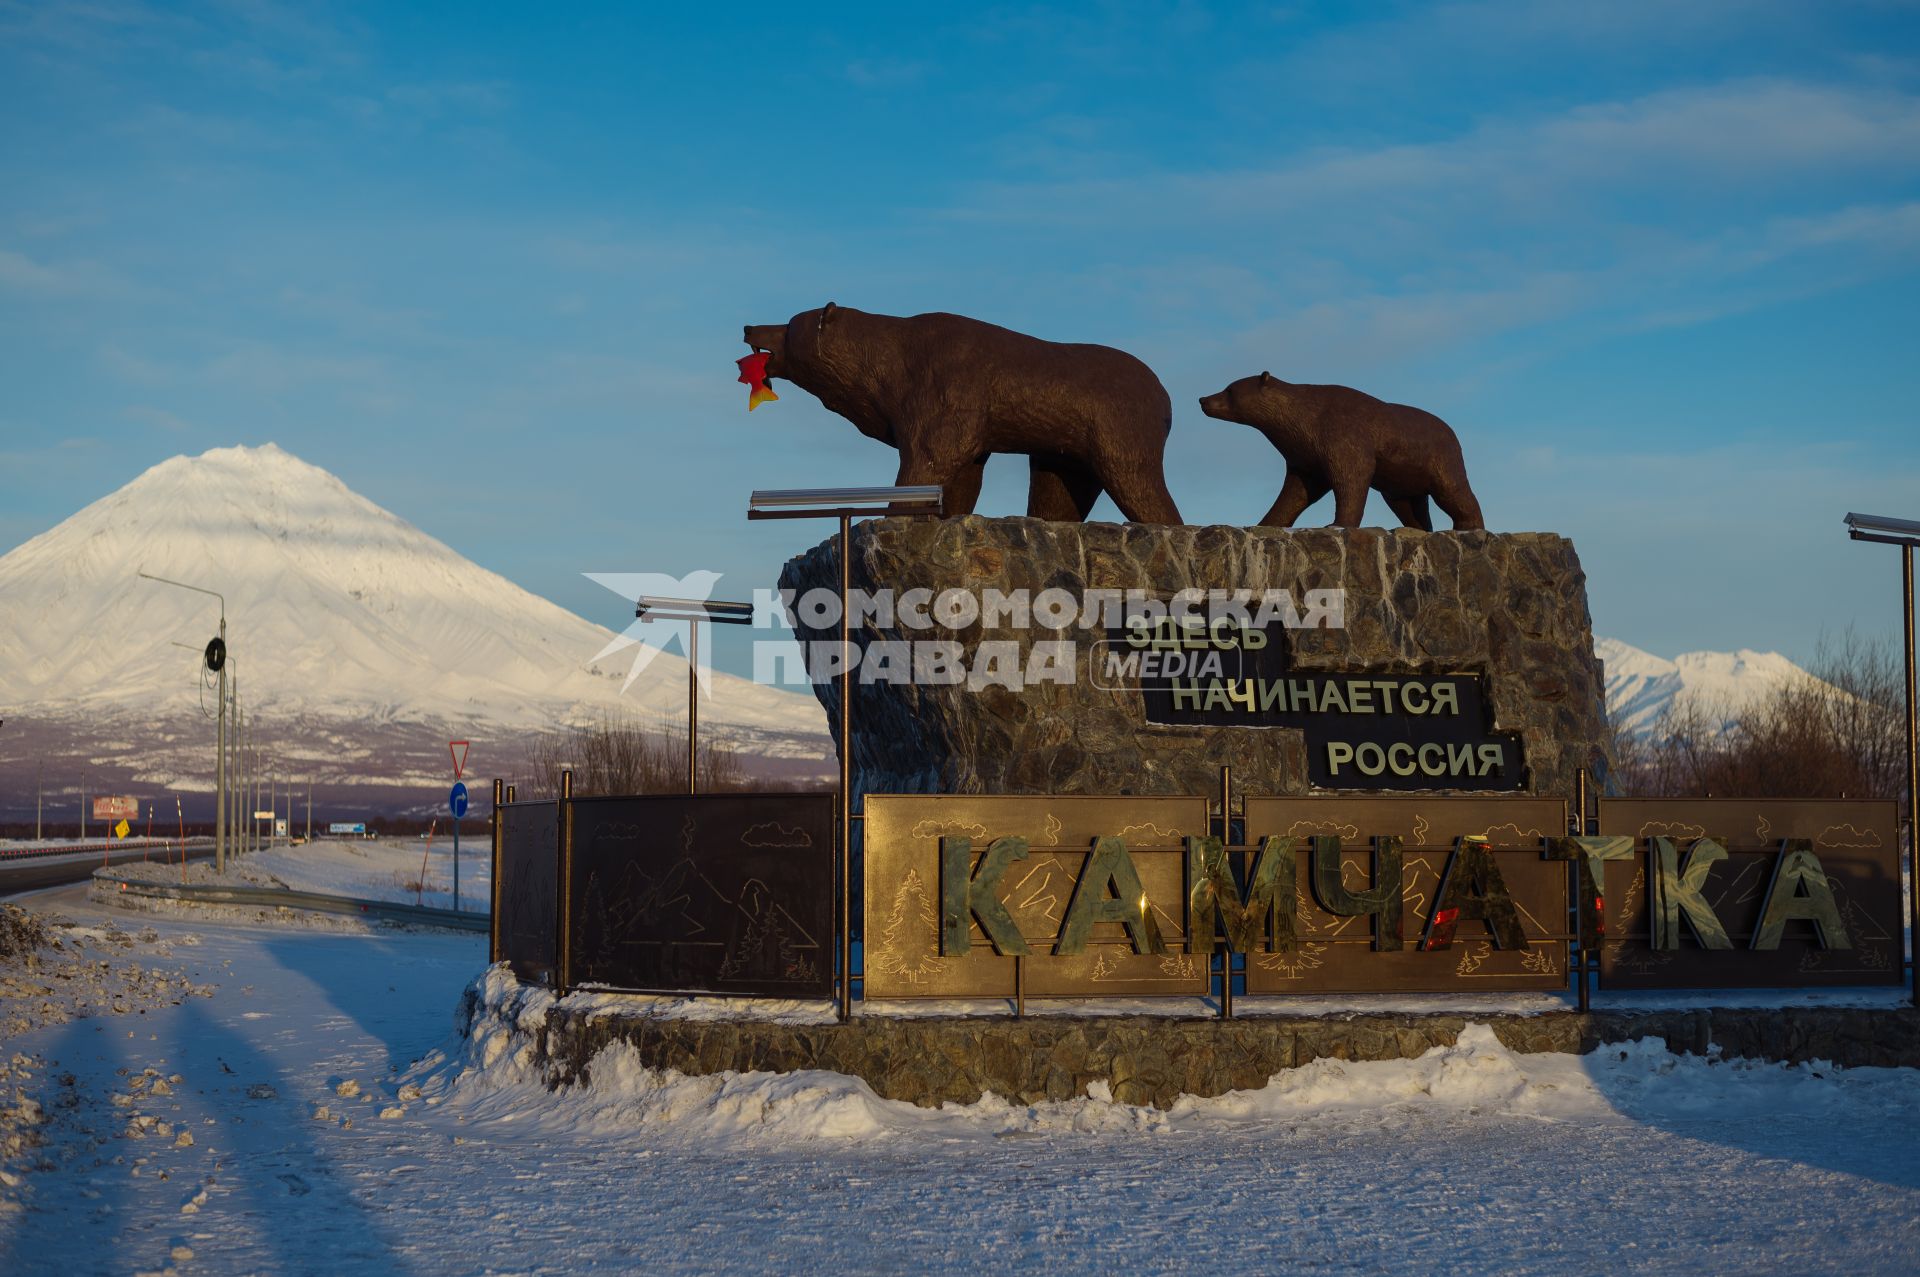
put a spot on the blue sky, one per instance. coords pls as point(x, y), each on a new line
point(1655, 262)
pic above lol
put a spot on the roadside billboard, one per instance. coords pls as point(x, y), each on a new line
point(112, 809)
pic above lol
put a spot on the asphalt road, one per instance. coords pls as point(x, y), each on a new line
point(34, 875)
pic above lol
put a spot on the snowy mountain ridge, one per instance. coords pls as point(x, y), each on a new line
point(1641, 686)
point(337, 610)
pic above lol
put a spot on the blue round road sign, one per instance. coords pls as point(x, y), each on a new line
point(457, 800)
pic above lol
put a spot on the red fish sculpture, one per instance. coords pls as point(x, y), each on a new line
point(753, 374)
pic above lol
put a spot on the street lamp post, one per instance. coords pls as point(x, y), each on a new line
point(236, 768)
point(846, 504)
point(693, 611)
point(1904, 533)
point(246, 770)
point(220, 744)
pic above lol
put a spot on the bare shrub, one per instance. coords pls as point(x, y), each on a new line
point(21, 936)
point(1839, 733)
point(616, 755)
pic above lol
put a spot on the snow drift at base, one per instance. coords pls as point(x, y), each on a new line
point(490, 1075)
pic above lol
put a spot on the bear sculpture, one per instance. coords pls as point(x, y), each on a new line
point(1338, 440)
point(948, 392)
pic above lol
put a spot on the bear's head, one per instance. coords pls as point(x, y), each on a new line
point(1244, 398)
point(771, 338)
point(801, 344)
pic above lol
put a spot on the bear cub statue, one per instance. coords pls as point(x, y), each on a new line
point(1338, 440)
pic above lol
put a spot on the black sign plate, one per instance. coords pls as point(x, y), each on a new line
point(704, 893)
point(1364, 731)
point(529, 881)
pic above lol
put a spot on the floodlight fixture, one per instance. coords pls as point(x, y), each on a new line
point(815, 503)
point(1883, 528)
point(649, 607)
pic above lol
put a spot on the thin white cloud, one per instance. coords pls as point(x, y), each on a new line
point(149, 415)
point(1751, 133)
point(271, 369)
point(21, 273)
point(884, 73)
point(1667, 208)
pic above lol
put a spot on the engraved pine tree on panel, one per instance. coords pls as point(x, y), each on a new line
point(910, 941)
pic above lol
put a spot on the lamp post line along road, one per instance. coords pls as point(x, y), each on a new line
point(220, 744)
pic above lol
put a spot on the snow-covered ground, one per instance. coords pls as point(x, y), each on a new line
point(401, 870)
point(337, 1124)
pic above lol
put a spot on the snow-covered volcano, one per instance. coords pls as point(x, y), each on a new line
point(1641, 686)
point(341, 618)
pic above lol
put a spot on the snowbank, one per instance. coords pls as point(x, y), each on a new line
point(493, 1075)
point(377, 869)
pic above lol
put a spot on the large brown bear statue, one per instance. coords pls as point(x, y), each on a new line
point(949, 391)
point(1339, 440)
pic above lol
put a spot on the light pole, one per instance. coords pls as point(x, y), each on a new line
point(216, 661)
point(238, 772)
point(1904, 533)
point(246, 772)
point(220, 750)
point(846, 504)
point(39, 772)
point(693, 611)
point(236, 768)
point(230, 792)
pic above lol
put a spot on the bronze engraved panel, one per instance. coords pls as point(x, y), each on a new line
point(704, 893)
point(903, 833)
point(1336, 954)
point(529, 888)
point(1858, 845)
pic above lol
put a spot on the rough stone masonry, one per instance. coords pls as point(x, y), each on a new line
point(1511, 607)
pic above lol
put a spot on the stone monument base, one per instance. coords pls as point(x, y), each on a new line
point(1153, 1060)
